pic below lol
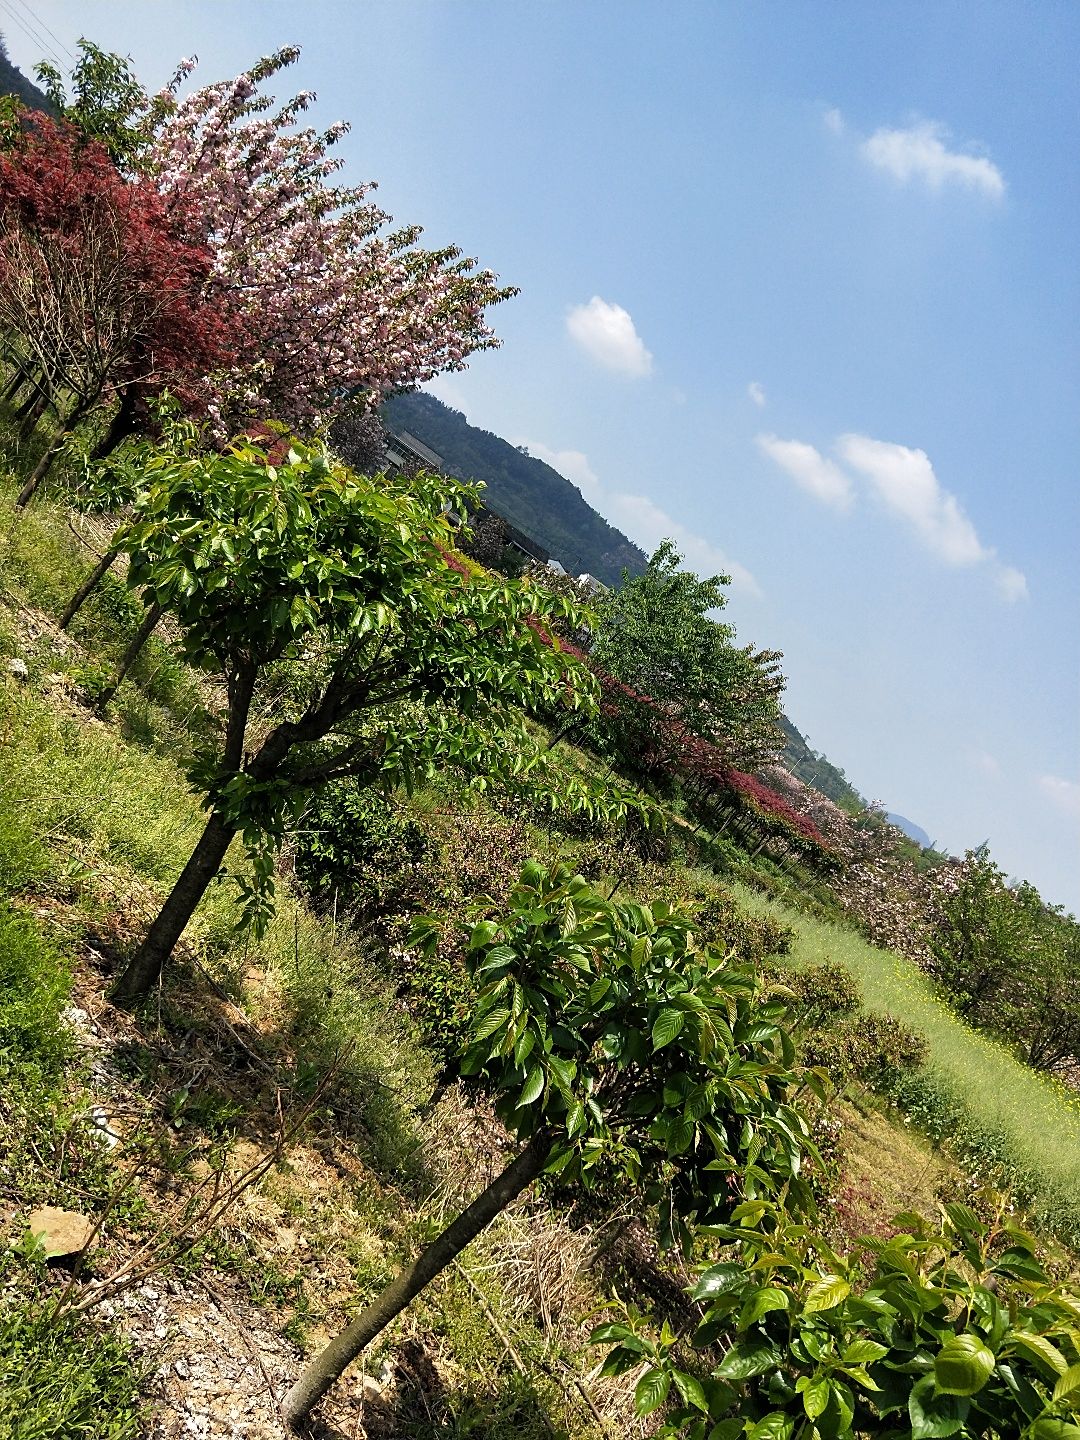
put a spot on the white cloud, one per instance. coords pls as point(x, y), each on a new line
point(819, 477)
point(607, 335)
point(1012, 584)
point(904, 479)
point(574, 464)
point(984, 761)
point(643, 520)
point(921, 153)
point(834, 121)
point(1065, 794)
point(756, 391)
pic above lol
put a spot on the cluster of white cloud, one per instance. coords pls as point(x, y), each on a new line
point(903, 479)
point(921, 153)
point(607, 334)
point(642, 519)
point(756, 391)
point(1065, 794)
point(819, 477)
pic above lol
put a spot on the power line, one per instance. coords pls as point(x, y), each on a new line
point(35, 39)
point(38, 21)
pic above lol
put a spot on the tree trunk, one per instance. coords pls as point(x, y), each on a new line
point(87, 588)
point(131, 654)
point(31, 411)
point(122, 425)
point(20, 378)
point(344, 1348)
point(147, 963)
point(41, 469)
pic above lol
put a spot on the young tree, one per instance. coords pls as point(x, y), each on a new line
point(616, 1048)
point(395, 661)
point(657, 635)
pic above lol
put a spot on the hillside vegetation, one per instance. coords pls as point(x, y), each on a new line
point(523, 489)
point(426, 1008)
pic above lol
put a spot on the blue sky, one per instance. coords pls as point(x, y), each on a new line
point(799, 288)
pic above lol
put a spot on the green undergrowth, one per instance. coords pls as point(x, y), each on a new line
point(62, 1381)
point(1007, 1124)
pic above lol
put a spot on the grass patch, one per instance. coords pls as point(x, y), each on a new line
point(1013, 1127)
point(59, 1381)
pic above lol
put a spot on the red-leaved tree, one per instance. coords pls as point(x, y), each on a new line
point(98, 295)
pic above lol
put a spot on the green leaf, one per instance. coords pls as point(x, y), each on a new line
point(963, 1365)
point(666, 1026)
point(826, 1294)
point(1050, 1428)
point(492, 1021)
point(864, 1352)
point(1048, 1358)
point(1067, 1383)
point(691, 1391)
point(534, 1084)
point(776, 1426)
point(748, 1358)
point(651, 1391)
point(815, 1397)
point(933, 1416)
point(769, 1297)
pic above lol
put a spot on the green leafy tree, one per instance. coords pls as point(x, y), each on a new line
point(659, 634)
point(979, 937)
point(336, 591)
point(617, 1050)
point(949, 1330)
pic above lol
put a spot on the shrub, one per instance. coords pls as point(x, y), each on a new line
point(355, 847)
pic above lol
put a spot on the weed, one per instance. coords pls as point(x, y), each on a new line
point(60, 1380)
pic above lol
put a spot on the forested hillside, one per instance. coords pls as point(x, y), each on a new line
point(14, 82)
point(522, 489)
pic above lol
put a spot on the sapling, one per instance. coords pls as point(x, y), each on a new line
point(616, 1049)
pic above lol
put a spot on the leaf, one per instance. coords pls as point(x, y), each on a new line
point(1047, 1357)
point(776, 1426)
point(933, 1416)
point(815, 1398)
point(864, 1352)
point(666, 1026)
point(769, 1297)
point(651, 1391)
point(826, 1294)
point(963, 1365)
point(1067, 1383)
point(492, 1021)
point(717, 1280)
point(534, 1084)
point(691, 1390)
point(748, 1358)
point(1050, 1428)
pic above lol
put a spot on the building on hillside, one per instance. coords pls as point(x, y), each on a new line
point(592, 585)
point(405, 452)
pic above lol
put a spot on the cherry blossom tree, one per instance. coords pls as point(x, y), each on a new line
point(336, 305)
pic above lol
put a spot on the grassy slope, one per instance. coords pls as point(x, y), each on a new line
point(1020, 1123)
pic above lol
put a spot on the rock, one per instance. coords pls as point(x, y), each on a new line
point(17, 669)
point(61, 1232)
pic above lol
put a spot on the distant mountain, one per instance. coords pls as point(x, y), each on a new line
point(520, 488)
point(911, 830)
point(14, 82)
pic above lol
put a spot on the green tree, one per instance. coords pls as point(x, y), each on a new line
point(617, 1049)
point(659, 634)
point(337, 591)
